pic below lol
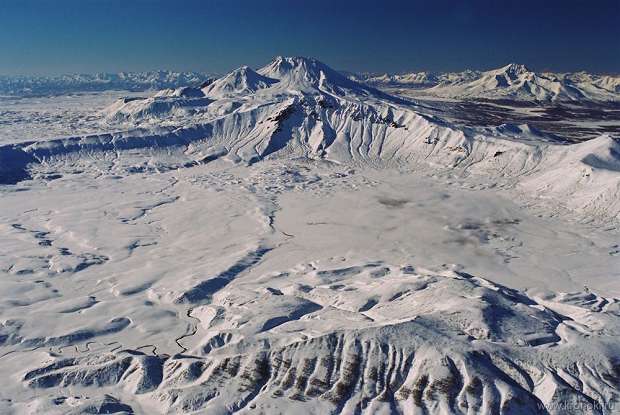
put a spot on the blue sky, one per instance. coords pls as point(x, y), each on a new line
point(67, 36)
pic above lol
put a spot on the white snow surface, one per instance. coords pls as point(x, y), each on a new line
point(289, 240)
point(48, 117)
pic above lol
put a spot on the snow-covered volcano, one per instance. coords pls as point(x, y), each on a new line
point(288, 240)
point(307, 74)
point(299, 107)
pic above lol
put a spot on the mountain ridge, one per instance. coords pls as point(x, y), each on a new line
point(544, 86)
point(313, 112)
point(513, 80)
point(72, 83)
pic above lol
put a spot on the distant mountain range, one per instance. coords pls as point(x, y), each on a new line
point(512, 81)
point(128, 81)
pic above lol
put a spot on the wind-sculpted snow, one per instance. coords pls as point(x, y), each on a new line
point(371, 338)
point(291, 241)
point(200, 303)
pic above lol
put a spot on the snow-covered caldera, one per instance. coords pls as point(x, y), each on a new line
point(513, 81)
point(289, 240)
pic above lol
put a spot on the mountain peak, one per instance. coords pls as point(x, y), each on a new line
point(309, 74)
point(241, 80)
point(514, 70)
point(309, 69)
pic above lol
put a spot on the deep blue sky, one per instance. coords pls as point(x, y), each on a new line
point(65, 36)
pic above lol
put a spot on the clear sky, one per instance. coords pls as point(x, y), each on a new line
point(67, 36)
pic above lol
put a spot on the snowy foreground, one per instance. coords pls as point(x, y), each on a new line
point(291, 241)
